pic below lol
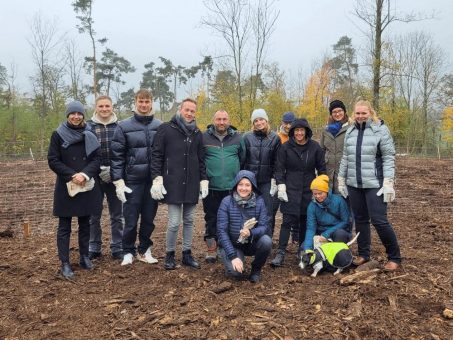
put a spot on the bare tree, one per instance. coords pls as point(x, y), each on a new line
point(74, 67)
point(378, 15)
point(231, 20)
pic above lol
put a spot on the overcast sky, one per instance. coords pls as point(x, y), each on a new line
point(142, 30)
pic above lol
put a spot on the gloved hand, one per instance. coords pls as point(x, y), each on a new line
point(388, 190)
point(342, 186)
point(104, 175)
point(273, 190)
point(249, 224)
point(158, 190)
point(282, 196)
point(121, 190)
point(204, 188)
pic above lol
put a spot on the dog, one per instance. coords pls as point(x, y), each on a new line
point(335, 254)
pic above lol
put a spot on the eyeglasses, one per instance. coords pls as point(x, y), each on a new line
point(337, 111)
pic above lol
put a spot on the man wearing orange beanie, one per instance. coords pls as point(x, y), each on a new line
point(327, 215)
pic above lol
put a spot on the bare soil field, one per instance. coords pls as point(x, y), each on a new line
point(145, 301)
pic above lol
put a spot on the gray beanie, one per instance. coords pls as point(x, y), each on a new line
point(75, 106)
point(259, 113)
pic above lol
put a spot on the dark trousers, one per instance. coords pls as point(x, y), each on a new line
point(265, 189)
point(64, 236)
point(211, 205)
point(260, 249)
point(116, 221)
point(367, 207)
point(139, 204)
point(292, 222)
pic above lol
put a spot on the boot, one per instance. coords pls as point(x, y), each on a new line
point(188, 260)
point(255, 275)
point(66, 270)
point(85, 262)
point(278, 259)
point(170, 262)
point(211, 254)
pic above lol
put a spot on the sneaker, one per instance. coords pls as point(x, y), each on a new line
point(94, 255)
point(211, 254)
point(147, 257)
point(127, 259)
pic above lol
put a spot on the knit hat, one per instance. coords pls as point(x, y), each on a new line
point(259, 113)
point(335, 104)
point(288, 117)
point(320, 183)
point(75, 106)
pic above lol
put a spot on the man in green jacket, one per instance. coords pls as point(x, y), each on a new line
point(222, 149)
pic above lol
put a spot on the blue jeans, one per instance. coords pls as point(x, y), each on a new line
point(116, 221)
point(139, 203)
point(260, 249)
point(367, 207)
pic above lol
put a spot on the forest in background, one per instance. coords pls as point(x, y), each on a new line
point(407, 77)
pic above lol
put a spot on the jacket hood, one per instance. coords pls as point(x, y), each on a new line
point(250, 176)
point(298, 123)
point(113, 119)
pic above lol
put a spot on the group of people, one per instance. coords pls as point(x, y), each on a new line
point(243, 179)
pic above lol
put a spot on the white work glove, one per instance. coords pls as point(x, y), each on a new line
point(273, 187)
point(281, 194)
point(104, 175)
point(249, 224)
point(121, 190)
point(204, 188)
point(342, 186)
point(157, 190)
point(388, 190)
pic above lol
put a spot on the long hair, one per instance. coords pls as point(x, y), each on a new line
point(267, 130)
point(366, 103)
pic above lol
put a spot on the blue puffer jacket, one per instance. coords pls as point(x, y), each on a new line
point(231, 217)
point(131, 149)
point(368, 155)
point(321, 219)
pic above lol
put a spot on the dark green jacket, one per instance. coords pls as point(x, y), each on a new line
point(221, 158)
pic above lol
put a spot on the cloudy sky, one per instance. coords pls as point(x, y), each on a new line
point(142, 30)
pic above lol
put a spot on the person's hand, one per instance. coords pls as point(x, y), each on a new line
point(158, 190)
point(121, 190)
point(342, 187)
point(79, 179)
point(204, 188)
point(237, 265)
point(273, 190)
point(388, 190)
point(104, 175)
point(282, 195)
point(244, 233)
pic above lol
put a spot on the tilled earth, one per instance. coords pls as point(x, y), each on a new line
point(146, 302)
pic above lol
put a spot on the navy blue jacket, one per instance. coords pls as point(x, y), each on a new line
point(131, 149)
point(231, 218)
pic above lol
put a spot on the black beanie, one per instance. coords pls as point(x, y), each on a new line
point(336, 103)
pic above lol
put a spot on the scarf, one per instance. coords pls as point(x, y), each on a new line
point(74, 134)
point(249, 202)
point(188, 128)
point(334, 128)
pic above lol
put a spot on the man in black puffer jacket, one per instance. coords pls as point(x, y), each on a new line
point(130, 170)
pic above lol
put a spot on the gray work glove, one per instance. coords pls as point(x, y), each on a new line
point(104, 175)
point(281, 193)
point(248, 225)
point(158, 190)
point(121, 190)
point(204, 188)
point(342, 186)
point(388, 190)
point(274, 189)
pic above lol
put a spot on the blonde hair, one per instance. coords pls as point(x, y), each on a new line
point(267, 130)
point(366, 103)
point(102, 98)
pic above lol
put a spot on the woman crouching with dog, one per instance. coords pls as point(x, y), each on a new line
point(74, 156)
point(243, 229)
point(366, 175)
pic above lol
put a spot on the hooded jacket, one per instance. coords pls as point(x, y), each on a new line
point(297, 166)
point(368, 155)
point(222, 158)
point(231, 218)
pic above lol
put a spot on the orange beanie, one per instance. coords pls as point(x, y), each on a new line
point(320, 183)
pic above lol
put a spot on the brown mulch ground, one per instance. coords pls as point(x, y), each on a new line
point(146, 302)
